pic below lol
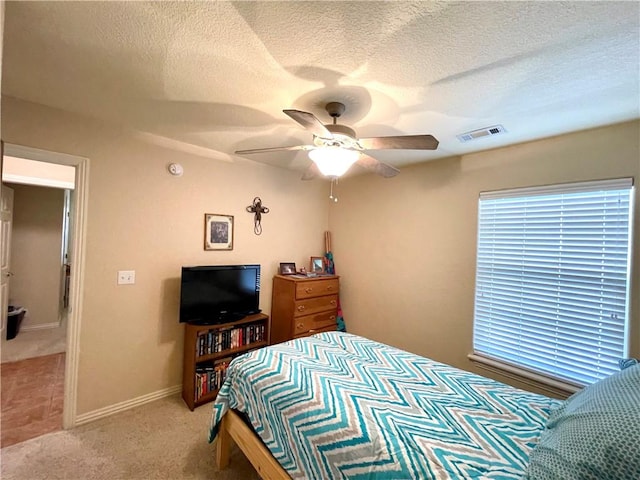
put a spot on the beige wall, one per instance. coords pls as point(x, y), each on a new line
point(36, 253)
point(406, 246)
point(141, 218)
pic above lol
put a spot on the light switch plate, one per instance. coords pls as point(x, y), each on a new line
point(126, 277)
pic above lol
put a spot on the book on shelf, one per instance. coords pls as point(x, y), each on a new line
point(228, 338)
point(209, 377)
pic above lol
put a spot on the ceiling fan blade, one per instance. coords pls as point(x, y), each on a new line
point(310, 122)
point(407, 142)
point(376, 166)
point(273, 149)
point(311, 172)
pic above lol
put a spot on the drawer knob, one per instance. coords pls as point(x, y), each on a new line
point(329, 287)
point(300, 326)
point(300, 308)
point(332, 317)
point(333, 302)
point(308, 289)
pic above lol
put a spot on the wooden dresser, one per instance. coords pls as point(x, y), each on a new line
point(302, 306)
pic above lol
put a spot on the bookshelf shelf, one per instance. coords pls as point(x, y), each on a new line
point(208, 349)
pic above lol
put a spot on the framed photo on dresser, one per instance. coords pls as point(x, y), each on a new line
point(287, 269)
point(316, 265)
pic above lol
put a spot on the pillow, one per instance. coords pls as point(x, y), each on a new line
point(594, 434)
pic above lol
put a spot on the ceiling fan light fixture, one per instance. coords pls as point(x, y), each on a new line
point(336, 148)
point(333, 161)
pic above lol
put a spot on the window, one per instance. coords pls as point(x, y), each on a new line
point(552, 279)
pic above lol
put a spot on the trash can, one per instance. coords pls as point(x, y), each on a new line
point(14, 319)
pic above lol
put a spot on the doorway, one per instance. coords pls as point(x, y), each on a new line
point(33, 344)
point(73, 276)
point(38, 266)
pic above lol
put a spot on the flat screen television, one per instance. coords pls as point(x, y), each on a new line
point(219, 293)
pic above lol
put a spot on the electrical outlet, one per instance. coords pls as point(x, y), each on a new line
point(126, 277)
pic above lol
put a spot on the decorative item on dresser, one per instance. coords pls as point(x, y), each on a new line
point(287, 268)
point(302, 306)
point(316, 265)
point(208, 349)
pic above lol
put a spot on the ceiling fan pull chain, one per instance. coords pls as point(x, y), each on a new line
point(331, 196)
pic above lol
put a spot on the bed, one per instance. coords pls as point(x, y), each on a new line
point(336, 405)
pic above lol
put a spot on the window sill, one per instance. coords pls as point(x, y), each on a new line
point(549, 384)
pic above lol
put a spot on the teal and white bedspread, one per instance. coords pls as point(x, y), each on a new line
point(336, 405)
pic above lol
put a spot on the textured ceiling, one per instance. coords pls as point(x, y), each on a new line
point(213, 77)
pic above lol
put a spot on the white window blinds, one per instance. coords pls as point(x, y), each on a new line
point(552, 279)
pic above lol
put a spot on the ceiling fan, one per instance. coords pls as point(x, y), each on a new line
point(336, 148)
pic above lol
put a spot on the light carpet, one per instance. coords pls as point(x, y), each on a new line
point(159, 440)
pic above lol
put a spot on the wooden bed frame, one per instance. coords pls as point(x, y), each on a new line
point(234, 429)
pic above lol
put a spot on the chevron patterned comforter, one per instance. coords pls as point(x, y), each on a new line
point(337, 405)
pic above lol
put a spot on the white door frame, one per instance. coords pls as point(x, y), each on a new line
point(77, 259)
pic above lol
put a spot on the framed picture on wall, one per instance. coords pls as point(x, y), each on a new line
point(218, 231)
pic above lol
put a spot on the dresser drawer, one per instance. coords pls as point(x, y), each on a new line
point(314, 322)
point(315, 305)
point(316, 288)
point(313, 332)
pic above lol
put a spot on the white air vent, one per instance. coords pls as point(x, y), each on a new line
point(482, 132)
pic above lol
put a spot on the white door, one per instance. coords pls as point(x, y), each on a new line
point(6, 210)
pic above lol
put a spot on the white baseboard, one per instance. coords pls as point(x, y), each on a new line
point(126, 405)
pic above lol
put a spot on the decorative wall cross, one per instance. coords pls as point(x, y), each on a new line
point(257, 209)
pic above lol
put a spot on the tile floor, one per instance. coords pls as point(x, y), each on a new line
point(32, 398)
